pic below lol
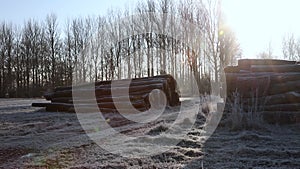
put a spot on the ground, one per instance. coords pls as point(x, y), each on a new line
point(33, 138)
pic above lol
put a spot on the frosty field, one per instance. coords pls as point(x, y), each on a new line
point(33, 138)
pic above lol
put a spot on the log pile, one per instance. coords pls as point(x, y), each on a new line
point(270, 85)
point(139, 91)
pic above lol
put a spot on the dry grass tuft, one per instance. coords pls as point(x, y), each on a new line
point(245, 116)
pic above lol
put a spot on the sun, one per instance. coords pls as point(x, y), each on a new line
point(221, 32)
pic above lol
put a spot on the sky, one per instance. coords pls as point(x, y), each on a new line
point(18, 11)
point(260, 23)
point(257, 24)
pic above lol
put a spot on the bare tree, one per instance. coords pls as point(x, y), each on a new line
point(229, 47)
point(6, 50)
point(53, 42)
point(267, 54)
point(17, 66)
point(291, 47)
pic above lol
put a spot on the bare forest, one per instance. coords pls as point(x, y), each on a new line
point(39, 55)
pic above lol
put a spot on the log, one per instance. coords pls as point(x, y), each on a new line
point(174, 99)
point(102, 106)
point(111, 105)
point(134, 82)
point(275, 68)
point(280, 88)
point(253, 87)
point(62, 100)
point(52, 108)
point(285, 98)
point(40, 104)
point(99, 99)
point(259, 108)
point(265, 85)
point(247, 63)
point(99, 91)
point(59, 107)
point(120, 99)
point(281, 117)
point(283, 107)
point(105, 110)
point(274, 77)
point(232, 69)
point(281, 83)
point(144, 97)
point(116, 84)
point(231, 79)
point(240, 81)
point(284, 77)
point(123, 105)
point(139, 89)
point(48, 95)
point(98, 95)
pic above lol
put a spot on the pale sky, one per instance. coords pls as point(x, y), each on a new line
point(18, 11)
point(260, 22)
point(255, 22)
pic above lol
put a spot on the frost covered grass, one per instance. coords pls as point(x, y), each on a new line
point(33, 138)
point(244, 116)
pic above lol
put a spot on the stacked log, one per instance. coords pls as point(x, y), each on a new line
point(272, 85)
point(62, 98)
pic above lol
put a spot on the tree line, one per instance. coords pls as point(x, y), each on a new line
point(186, 38)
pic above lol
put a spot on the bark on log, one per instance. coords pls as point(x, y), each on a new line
point(253, 87)
point(279, 83)
point(116, 84)
point(134, 82)
point(274, 77)
point(99, 99)
point(232, 69)
point(246, 63)
point(102, 106)
point(48, 95)
point(40, 104)
point(280, 88)
point(59, 107)
point(99, 91)
point(285, 98)
point(283, 107)
point(231, 82)
point(106, 110)
point(123, 105)
point(275, 68)
point(284, 77)
point(281, 117)
point(259, 108)
point(62, 100)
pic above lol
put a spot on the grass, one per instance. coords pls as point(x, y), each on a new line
point(245, 115)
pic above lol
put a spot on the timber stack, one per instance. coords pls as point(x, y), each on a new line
point(267, 85)
point(140, 89)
